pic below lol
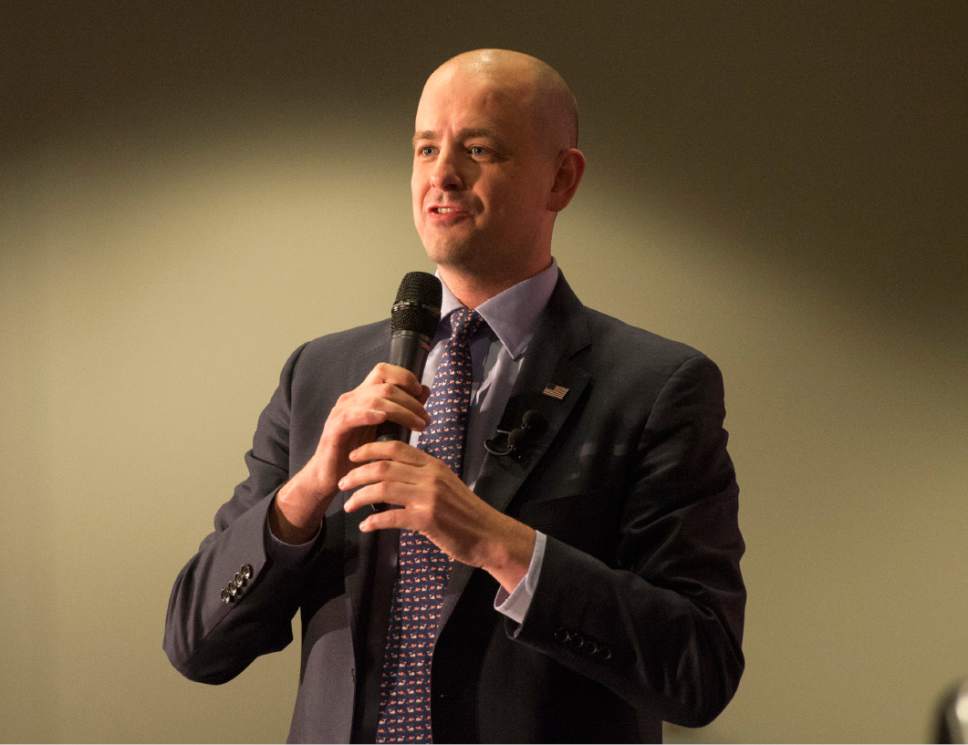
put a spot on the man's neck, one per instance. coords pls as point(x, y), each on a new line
point(472, 290)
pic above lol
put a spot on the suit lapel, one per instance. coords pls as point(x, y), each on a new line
point(561, 334)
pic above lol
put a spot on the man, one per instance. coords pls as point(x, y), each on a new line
point(582, 587)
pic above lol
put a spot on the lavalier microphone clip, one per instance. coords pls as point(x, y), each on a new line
point(516, 441)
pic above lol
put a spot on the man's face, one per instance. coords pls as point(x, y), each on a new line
point(481, 177)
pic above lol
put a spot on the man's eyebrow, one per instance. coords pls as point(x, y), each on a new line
point(479, 132)
point(429, 134)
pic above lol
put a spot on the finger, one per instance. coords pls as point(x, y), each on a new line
point(384, 492)
point(400, 452)
point(409, 414)
point(401, 377)
point(388, 519)
point(376, 471)
point(374, 395)
point(400, 396)
point(399, 520)
point(350, 418)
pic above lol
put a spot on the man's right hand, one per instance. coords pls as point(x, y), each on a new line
point(388, 393)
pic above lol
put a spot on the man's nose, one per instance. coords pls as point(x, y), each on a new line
point(445, 174)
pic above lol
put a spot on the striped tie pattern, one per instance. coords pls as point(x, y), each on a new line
point(423, 569)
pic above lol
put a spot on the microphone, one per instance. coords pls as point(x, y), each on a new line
point(413, 323)
point(519, 430)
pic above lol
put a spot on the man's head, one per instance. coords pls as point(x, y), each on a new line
point(495, 160)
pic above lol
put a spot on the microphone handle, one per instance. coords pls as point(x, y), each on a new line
point(408, 349)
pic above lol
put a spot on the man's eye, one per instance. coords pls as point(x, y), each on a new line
point(477, 150)
point(426, 150)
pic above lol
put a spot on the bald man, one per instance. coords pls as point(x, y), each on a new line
point(588, 585)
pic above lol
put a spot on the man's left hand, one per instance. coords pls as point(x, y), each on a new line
point(437, 504)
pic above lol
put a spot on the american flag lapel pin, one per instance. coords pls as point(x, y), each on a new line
point(555, 391)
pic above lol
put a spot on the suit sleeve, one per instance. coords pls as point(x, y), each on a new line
point(236, 597)
point(662, 627)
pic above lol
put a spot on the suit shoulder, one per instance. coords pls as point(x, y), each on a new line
point(627, 360)
point(619, 339)
point(321, 368)
point(346, 344)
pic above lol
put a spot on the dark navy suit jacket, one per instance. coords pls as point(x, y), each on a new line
point(638, 613)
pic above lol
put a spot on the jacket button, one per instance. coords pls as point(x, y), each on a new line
point(246, 571)
point(226, 598)
point(562, 636)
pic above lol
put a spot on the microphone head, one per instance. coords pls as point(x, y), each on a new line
point(417, 307)
point(532, 421)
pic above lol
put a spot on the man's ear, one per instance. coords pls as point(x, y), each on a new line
point(571, 166)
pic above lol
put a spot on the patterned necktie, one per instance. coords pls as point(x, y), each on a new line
point(423, 569)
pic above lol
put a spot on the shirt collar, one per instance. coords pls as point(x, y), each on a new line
point(513, 313)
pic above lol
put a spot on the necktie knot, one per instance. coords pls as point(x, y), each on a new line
point(451, 391)
point(464, 323)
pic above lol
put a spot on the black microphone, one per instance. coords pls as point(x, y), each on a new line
point(413, 323)
point(521, 426)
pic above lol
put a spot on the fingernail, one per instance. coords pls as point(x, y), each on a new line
point(365, 525)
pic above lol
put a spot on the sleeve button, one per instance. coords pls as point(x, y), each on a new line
point(246, 571)
point(226, 597)
point(573, 642)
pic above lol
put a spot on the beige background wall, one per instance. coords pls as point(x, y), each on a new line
point(187, 194)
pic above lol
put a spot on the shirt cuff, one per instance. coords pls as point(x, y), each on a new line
point(515, 604)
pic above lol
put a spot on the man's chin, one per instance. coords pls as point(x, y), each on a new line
point(451, 253)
